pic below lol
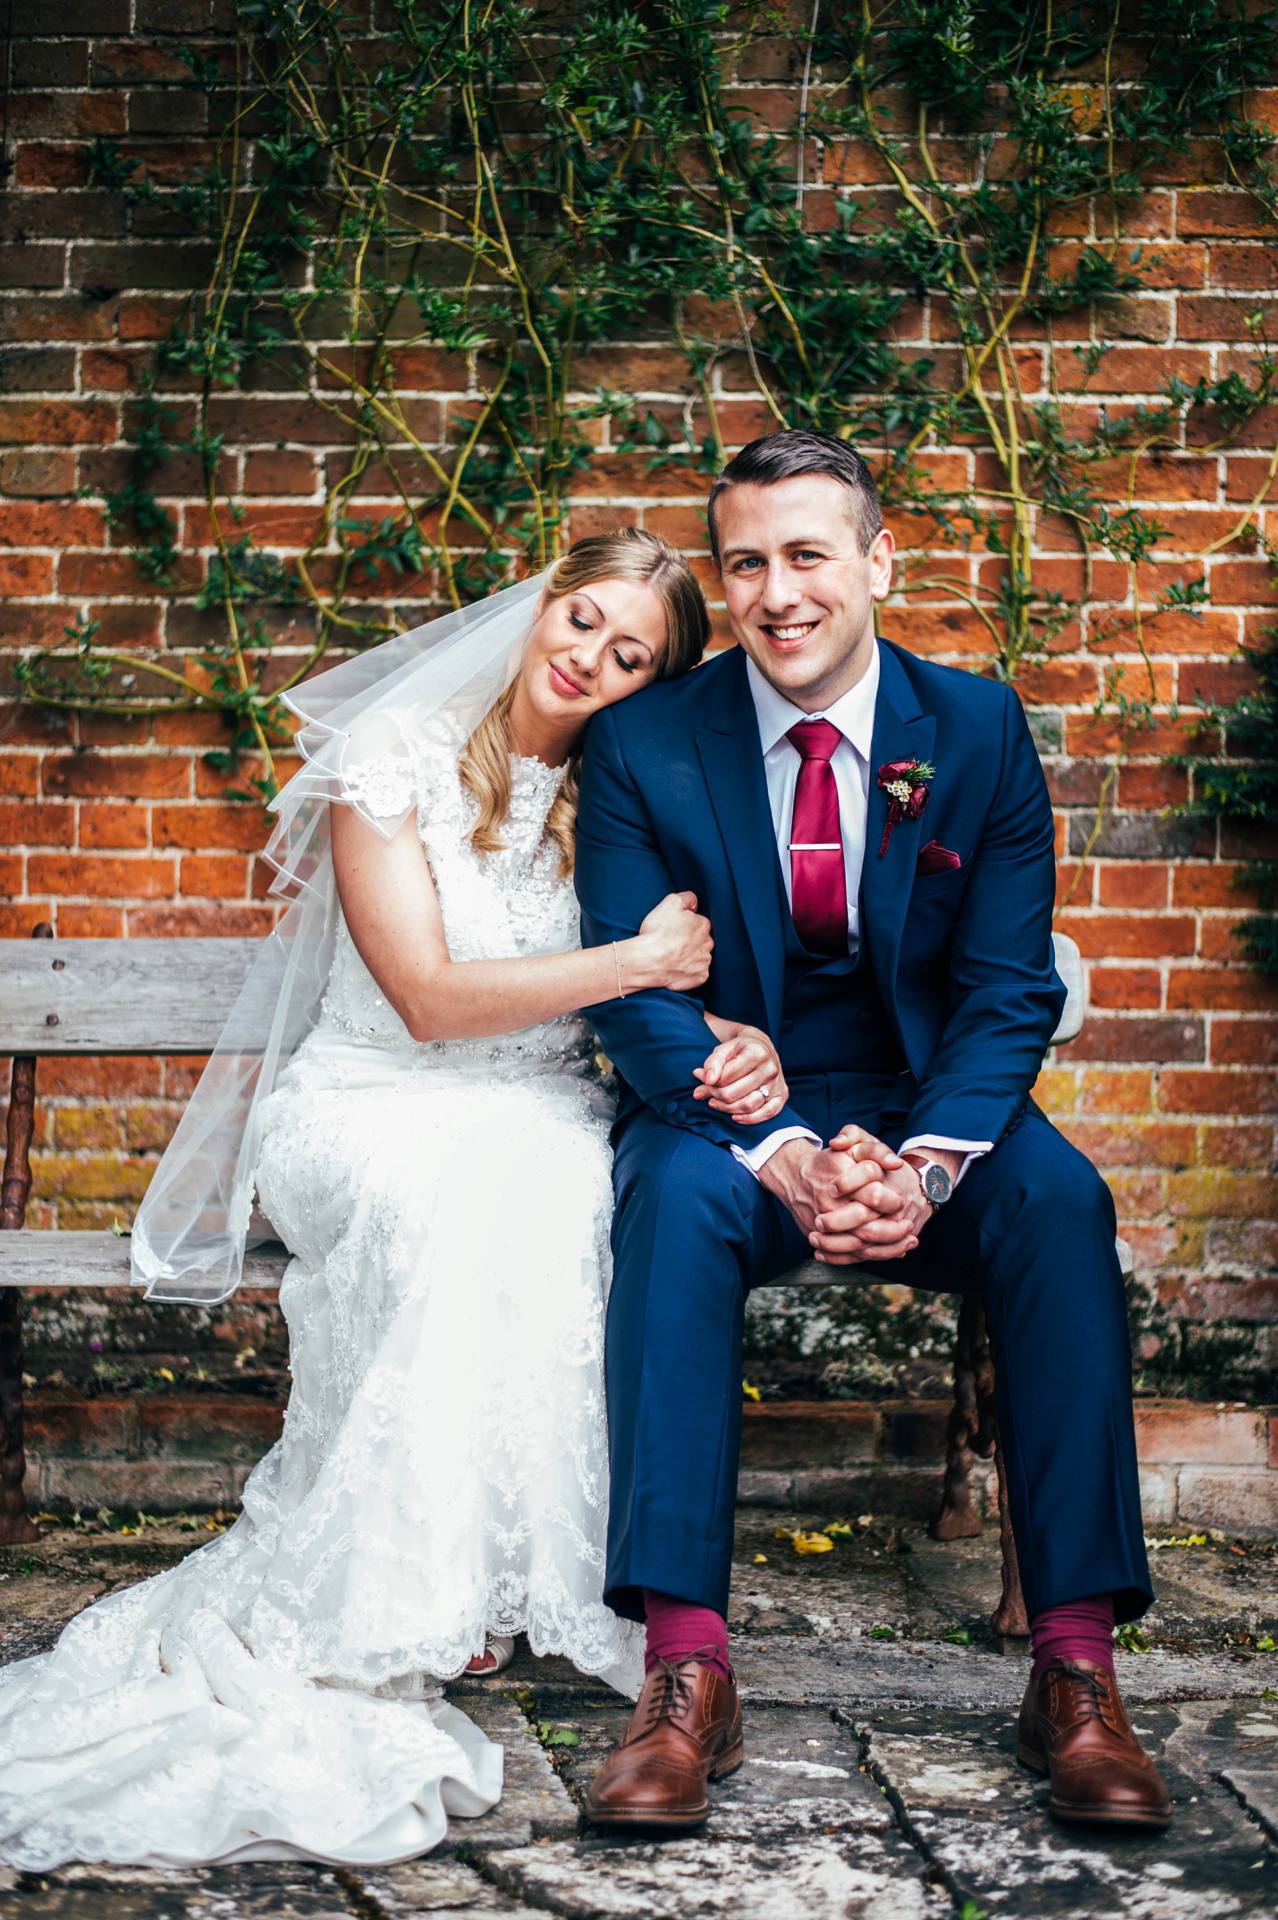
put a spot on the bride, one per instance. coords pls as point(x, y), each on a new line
point(409, 1085)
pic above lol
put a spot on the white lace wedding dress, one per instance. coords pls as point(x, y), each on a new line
point(442, 1472)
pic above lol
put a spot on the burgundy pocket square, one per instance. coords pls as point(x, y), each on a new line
point(934, 858)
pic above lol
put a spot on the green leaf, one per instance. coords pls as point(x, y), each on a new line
point(551, 1735)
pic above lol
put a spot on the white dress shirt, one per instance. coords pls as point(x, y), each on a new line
point(853, 715)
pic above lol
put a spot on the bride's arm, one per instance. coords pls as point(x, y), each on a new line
point(392, 910)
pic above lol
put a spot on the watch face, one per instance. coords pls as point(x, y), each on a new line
point(937, 1184)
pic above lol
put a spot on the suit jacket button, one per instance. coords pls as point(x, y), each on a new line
point(672, 1107)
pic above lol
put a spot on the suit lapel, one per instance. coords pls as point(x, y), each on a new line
point(902, 731)
point(732, 759)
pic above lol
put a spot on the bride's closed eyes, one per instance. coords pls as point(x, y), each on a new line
point(584, 626)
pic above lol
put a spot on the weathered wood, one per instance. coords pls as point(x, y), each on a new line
point(118, 996)
point(172, 996)
point(71, 1259)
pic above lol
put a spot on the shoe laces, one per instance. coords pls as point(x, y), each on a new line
point(673, 1695)
point(1096, 1701)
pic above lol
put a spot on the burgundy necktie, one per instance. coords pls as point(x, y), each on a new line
point(818, 888)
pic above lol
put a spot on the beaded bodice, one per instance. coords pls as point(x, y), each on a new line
point(501, 905)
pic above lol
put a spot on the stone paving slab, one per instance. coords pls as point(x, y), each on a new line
point(965, 1679)
point(1238, 1745)
point(433, 1885)
point(180, 1893)
point(877, 1877)
point(966, 1764)
point(1039, 1873)
point(535, 1804)
point(880, 1780)
point(47, 1603)
point(803, 1768)
point(961, 1795)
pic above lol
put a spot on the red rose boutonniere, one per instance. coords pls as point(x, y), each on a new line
point(905, 783)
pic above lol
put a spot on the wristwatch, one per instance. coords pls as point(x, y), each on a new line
point(935, 1181)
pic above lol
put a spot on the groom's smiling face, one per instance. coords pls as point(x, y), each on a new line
point(800, 592)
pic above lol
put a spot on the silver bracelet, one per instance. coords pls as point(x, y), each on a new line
point(616, 961)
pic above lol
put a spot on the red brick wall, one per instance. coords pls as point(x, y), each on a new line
point(118, 827)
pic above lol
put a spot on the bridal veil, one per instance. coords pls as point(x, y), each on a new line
point(196, 1221)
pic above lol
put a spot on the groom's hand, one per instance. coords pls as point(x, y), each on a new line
point(883, 1222)
point(898, 1209)
point(818, 1183)
point(862, 1145)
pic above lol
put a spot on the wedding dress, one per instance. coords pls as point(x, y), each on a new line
point(442, 1472)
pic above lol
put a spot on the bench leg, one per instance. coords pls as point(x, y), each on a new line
point(973, 1435)
point(16, 1524)
point(1009, 1617)
point(970, 1434)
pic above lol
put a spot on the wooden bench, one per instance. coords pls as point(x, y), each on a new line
point(69, 999)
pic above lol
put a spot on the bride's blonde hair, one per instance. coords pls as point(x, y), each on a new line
point(628, 554)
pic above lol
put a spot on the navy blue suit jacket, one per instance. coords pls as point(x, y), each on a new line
point(673, 795)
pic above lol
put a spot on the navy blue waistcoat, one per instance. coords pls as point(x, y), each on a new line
point(833, 1018)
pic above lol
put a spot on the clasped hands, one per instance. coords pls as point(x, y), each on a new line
point(855, 1199)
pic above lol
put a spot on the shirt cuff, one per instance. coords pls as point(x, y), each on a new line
point(756, 1158)
point(972, 1149)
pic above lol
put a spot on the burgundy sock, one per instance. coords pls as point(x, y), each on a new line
point(1078, 1630)
point(677, 1629)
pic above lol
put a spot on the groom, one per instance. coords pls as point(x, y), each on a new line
point(871, 838)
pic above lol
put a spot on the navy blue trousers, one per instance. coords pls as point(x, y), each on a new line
point(1030, 1229)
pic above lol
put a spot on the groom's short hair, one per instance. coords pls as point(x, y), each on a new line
point(800, 450)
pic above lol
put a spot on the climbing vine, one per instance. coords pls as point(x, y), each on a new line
point(1238, 785)
point(491, 193)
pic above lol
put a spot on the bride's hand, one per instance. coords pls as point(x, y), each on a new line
point(743, 1078)
point(672, 947)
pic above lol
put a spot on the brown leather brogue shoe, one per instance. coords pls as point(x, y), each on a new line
point(684, 1732)
point(1074, 1728)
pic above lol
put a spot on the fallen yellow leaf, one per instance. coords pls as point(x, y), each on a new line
point(813, 1543)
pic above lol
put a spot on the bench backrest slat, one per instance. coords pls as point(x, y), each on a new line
point(72, 997)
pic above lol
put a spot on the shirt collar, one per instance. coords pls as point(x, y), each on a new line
point(852, 713)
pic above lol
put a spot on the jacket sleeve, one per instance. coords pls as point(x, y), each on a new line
point(1006, 996)
point(655, 1038)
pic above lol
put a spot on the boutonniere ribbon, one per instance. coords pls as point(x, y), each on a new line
point(905, 784)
